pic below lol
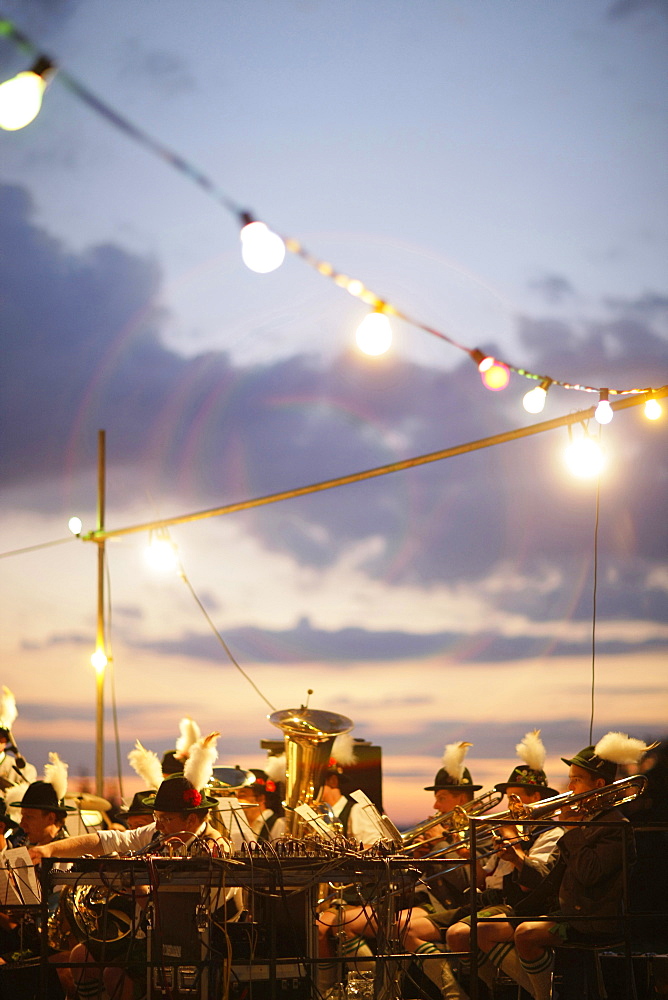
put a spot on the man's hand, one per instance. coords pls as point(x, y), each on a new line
point(37, 853)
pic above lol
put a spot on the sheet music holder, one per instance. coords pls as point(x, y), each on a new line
point(18, 881)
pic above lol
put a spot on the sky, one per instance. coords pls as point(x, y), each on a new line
point(495, 171)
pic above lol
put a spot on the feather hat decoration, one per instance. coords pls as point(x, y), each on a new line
point(198, 768)
point(190, 733)
point(343, 750)
point(275, 767)
point(621, 749)
point(8, 711)
point(532, 750)
point(146, 764)
point(55, 773)
point(453, 759)
point(530, 774)
point(452, 774)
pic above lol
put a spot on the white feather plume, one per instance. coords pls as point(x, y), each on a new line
point(55, 774)
point(8, 711)
point(198, 768)
point(620, 748)
point(146, 764)
point(532, 751)
point(190, 734)
point(343, 750)
point(275, 767)
point(453, 759)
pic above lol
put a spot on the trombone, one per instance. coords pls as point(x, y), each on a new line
point(579, 807)
point(454, 821)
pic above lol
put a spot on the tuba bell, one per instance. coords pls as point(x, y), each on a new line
point(309, 737)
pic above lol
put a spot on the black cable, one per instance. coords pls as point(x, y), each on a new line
point(594, 596)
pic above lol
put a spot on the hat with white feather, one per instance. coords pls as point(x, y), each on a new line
point(8, 712)
point(529, 775)
point(187, 792)
point(611, 750)
point(49, 794)
point(452, 775)
point(173, 761)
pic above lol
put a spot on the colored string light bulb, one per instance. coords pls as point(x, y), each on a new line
point(494, 374)
point(534, 400)
point(374, 334)
point(653, 408)
point(262, 251)
point(603, 411)
point(21, 97)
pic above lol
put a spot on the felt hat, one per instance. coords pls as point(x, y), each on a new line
point(611, 750)
point(529, 775)
point(177, 794)
point(42, 795)
point(137, 807)
point(453, 776)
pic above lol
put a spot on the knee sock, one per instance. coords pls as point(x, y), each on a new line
point(504, 956)
point(540, 974)
point(357, 953)
point(440, 972)
point(88, 989)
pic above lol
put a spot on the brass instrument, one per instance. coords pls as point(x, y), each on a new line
point(579, 807)
point(309, 737)
point(454, 821)
point(584, 804)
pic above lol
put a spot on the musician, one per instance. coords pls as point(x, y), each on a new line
point(523, 860)
point(420, 927)
point(138, 813)
point(180, 812)
point(263, 813)
point(8, 829)
point(593, 856)
point(350, 815)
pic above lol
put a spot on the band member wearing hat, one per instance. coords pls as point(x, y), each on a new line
point(517, 868)
point(138, 813)
point(593, 856)
point(262, 814)
point(421, 925)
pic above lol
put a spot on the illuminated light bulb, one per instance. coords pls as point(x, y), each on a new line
point(21, 97)
point(374, 334)
point(653, 409)
point(603, 412)
point(75, 524)
point(99, 660)
point(262, 251)
point(534, 399)
point(585, 458)
point(355, 287)
point(161, 554)
point(494, 374)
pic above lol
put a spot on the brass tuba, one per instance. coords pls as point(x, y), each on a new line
point(309, 736)
point(454, 821)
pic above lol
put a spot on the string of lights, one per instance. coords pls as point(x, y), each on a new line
point(263, 250)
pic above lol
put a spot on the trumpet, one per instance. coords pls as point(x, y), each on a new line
point(454, 821)
point(580, 806)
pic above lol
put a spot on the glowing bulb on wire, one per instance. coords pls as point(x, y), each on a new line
point(603, 412)
point(161, 554)
point(494, 374)
point(374, 334)
point(584, 457)
point(75, 524)
point(261, 250)
point(653, 408)
point(21, 97)
point(99, 660)
point(534, 400)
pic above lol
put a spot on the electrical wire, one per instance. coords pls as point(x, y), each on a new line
point(594, 597)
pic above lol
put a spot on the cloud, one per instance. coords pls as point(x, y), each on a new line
point(627, 8)
point(553, 288)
